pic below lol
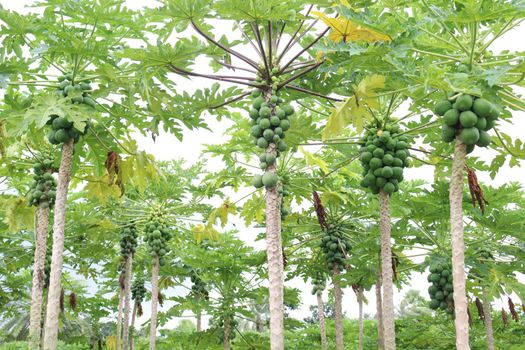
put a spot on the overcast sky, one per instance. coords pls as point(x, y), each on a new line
point(168, 147)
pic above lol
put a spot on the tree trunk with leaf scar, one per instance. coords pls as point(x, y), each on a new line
point(275, 258)
point(322, 324)
point(154, 302)
point(389, 332)
point(379, 312)
point(127, 302)
point(487, 310)
point(37, 290)
point(458, 246)
point(53, 298)
point(338, 305)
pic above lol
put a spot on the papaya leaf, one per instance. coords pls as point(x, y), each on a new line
point(311, 159)
point(18, 214)
point(221, 213)
point(201, 232)
point(354, 110)
point(347, 30)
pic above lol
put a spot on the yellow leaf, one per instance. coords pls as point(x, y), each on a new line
point(354, 110)
point(18, 214)
point(222, 212)
point(201, 232)
point(111, 342)
point(348, 30)
point(100, 189)
point(313, 160)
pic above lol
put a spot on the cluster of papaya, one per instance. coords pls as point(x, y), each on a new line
point(485, 253)
point(468, 117)
point(285, 210)
point(226, 317)
point(335, 248)
point(198, 287)
point(157, 236)
point(441, 291)
point(319, 284)
point(128, 241)
point(62, 130)
point(384, 155)
point(78, 91)
point(138, 291)
point(43, 187)
point(270, 121)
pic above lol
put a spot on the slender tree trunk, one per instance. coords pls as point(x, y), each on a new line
point(127, 302)
point(338, 305)
point(154, 303)
point(389, 331)
point(132, 327)
point(487, 310)
point(458, 246)
point(359, 294)
point(258, 323)
point(227, 333)
point(379, 312)
point(322, 324)
point(199, 321)
point(35, 319)
point(119, 318)
point(53, 297)
point(275, 261)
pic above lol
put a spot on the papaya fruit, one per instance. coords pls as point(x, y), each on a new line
point(269, 179)
point(469, 136)
point(484, 139)
point(442, 107)
point(451, 117)
point(468, 119)
point(464, 102)
point(482, 107)
point(275, 121)
point(285, 124)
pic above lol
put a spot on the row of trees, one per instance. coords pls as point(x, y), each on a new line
point(86, 88)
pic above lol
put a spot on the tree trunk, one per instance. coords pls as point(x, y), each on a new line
point(458, 246)
point(275, 262)
point(359, 295)
point(389, 331)
point(259, 327)
point(53, 297)
point(35, 320)
point(487, 310)
point(322, 324)
point(132, 327)
point(227, 332)
point(379, 312)
point(199, 321)
point(154, 303)
point(118, 339)
point(127, 302)
point(338, 305)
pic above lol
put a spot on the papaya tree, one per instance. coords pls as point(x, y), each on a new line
point(458, 39)
point(278, 35)
point(78, 79)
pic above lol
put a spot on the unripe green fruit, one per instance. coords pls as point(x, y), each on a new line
point(469, 136)
point(264, 124)
point(482, 107)
point(442, 106)
point(468, 119)
point(269, 180)
point(451, 117)
point(464, 102)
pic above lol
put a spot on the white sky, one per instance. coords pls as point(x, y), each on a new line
point(168, 147)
